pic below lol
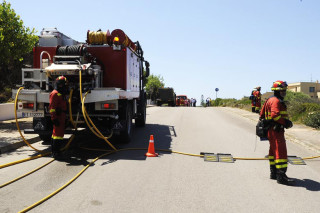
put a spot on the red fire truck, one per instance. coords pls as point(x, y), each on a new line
point(182, 100)
point(113, 71)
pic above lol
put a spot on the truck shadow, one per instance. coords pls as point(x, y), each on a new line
point(135, 150)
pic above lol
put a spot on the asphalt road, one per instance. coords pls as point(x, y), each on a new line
point(127, 181)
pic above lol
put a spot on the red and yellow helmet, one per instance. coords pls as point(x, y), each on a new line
point(61, 79)
point(279, 85)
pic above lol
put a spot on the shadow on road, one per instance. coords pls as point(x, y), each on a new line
point(310, 185)
point(140, 141)
point(77, 155)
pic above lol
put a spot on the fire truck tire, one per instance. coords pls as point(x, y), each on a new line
point(126, 133)
point(140, 121)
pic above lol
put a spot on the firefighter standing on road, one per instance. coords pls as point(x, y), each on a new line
point(253, 100)
point(275, 112)
point(257, 95)
point(58, 108)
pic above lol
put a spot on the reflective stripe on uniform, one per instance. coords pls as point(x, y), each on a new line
point(59, 94)
point(52, 110)
point(277, 118)
point(281, 160)
point(57, 137)
point(281, 163)
point(267, 116)
point(281, 166)
point(271, 160)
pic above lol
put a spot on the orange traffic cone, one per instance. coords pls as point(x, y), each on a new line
point(151, 152)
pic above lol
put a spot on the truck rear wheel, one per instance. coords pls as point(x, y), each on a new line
point(126, 132)
point(140, 121)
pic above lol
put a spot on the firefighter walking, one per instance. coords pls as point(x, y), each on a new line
point(58, 108)
point(274, 111)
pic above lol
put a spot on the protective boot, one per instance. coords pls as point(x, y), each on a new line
point(273, 172)
point(55, 149)
point(282, 178)
point(253, 109)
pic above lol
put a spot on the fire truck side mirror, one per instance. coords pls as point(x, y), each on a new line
point(147, 68)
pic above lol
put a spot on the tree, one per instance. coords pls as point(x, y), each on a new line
point(16, 43)
point(153, 84)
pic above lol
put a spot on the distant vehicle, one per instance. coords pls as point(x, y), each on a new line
point(182, 100)
point(166, 96)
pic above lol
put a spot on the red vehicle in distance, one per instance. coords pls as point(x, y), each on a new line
point(182, 100)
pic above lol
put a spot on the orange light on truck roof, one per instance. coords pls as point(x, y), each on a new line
point(116, 39)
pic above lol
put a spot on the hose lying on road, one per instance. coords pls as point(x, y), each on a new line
point(22, 176)
point(65, 185)
point(24, 160)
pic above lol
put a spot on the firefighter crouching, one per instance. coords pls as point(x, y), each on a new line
point(58, 108)
point(257, 95)
point(274, 111)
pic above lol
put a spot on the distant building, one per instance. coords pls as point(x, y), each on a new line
point(310, 88)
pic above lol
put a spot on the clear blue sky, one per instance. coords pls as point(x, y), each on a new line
point(197, 46)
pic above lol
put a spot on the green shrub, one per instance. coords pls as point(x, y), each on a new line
point(301, 108)
point(300, 105)
point(5, 95)
point(313, 119)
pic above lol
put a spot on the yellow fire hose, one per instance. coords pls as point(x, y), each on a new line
point(71, 120)
point(18, 127)
point(23, 160)
point(16, 117)
point(94, 130)
point(65, 185)
point(22, 176)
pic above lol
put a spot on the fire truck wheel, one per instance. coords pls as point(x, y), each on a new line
point(140, 121)
point(126, 133)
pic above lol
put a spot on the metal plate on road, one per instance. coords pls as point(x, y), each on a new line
point(296, 160)
point(225, 158)
point(211, 157)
